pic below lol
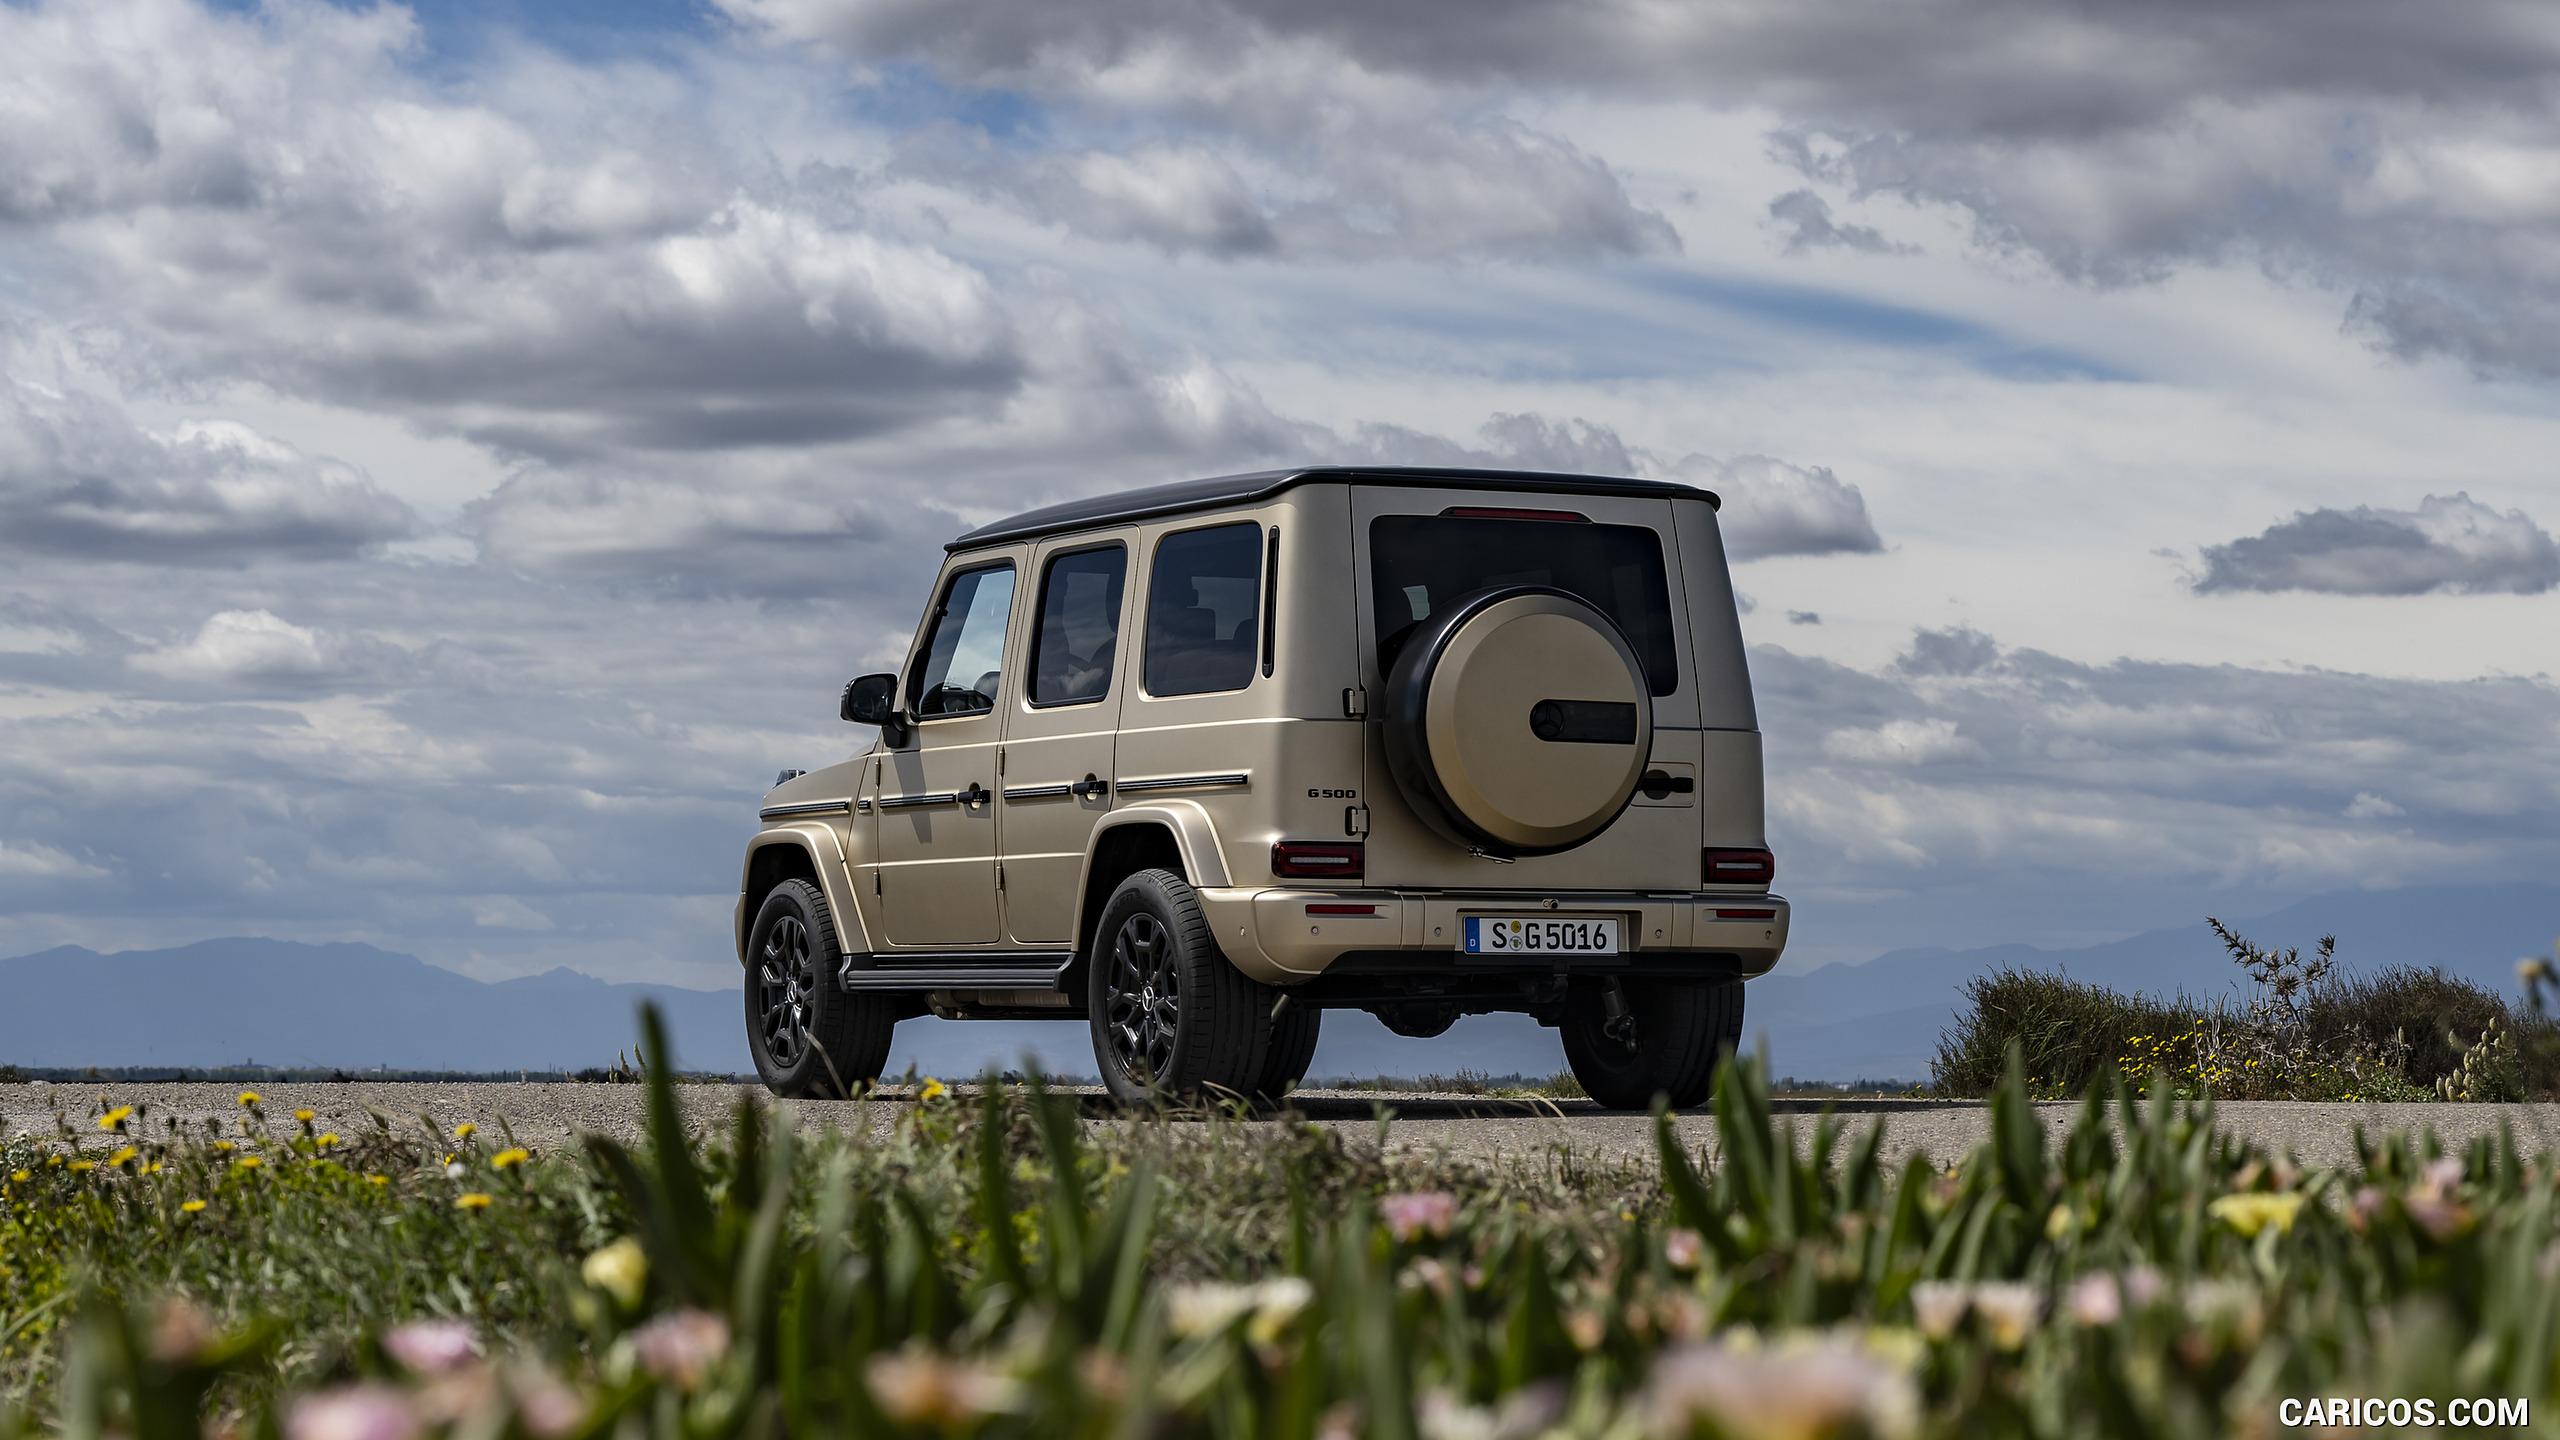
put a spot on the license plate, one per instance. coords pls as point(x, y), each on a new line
point(1489, 936)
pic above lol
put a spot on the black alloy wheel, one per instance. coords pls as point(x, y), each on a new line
point(810, 1039)
point(1170, 1015)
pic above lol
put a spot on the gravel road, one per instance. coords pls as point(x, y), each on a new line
point(549, 1117)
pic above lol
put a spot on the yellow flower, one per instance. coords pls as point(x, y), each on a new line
point(122, 1155)
point(302, 1115)
point(473, 1201)
point(327, 1139)
point(620, 1269)
point(505, 1158)
point(114, 1119)
point(933, 1090)
point(192, 1206)
point(224, 1146)
point(378, 1179)
point(21, 1177)
point(247, 1162)
point(465, 1130)
point(248, 1097)
point(2250, 1214)
point(80, 1165)
point(151, 1169)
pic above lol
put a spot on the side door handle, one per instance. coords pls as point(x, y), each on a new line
point(1090, 787)
point(975, 796)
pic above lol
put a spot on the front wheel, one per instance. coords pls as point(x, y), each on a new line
point(1170, 1015)
point(1643, 1038)
point(811, 1040)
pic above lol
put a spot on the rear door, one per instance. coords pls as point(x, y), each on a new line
point(1416, 550)
point(1060, 727)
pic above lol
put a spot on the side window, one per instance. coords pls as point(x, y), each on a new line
point(964, 655)
point(1079, 627)
point(1204, 597)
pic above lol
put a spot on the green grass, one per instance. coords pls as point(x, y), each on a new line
point(989, 1266)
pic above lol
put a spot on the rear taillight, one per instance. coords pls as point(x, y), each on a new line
point(1741, 867)
point(1342, 909)
point(1317, 860)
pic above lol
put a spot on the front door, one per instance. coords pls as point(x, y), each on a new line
point(1058, 734)
point(937, 807)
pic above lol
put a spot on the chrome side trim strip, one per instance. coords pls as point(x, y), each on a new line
point(1183, 782)
point(1037, 792)
point(910, 802)
point(811, 807)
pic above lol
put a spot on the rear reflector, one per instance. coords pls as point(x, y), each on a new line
point(1741, 867)
point(1317, 860)
point(1746, 914)
point(1492, 512)
point(1342, 909)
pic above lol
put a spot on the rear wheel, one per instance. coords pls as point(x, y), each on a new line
point(1291, 1048)
point(1657, 1037)
point(1169, 1014)
point(810, 1039)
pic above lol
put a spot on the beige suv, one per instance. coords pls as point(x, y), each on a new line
point(1198, 763)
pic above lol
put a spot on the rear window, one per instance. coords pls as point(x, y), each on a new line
point(1419, 563)
point(1203, 599)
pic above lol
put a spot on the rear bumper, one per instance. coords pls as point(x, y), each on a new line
point(1270, 934)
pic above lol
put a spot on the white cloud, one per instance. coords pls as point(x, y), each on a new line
point(1902, 742)
point(1772, 507)
point(2447, 543)
point(243, 646)
point(21, 860)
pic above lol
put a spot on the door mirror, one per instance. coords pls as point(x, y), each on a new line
point(871, 700)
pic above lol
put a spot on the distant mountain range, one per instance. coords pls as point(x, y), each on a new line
point(355, 1007)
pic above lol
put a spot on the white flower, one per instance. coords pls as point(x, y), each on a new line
point(682, 1346)
point(353, 1412)
point(431, 1347)
point(1802, 1388)
point(2096, 1299)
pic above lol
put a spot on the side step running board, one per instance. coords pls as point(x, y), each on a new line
point(1003, 971)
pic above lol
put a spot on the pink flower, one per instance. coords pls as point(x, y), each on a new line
point(2096, 1299)
point(682, 1346)
point(1682, 1248)
point(1410, 1214)
point(431, 1347)
point(1818, 1386)
point(353, 1412)
point(2142, 1285)
point(548, 1408)
point(2443, 1174)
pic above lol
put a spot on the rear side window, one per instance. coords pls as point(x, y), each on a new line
point(1419, 563)
point(965, 656)
point(1079, 632)
point(1204, 596)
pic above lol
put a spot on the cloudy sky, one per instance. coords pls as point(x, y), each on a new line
point(450, 457)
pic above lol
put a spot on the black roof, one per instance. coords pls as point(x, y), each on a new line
point(1226, 490)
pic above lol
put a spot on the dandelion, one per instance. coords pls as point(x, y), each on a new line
point(247, 1162)
point(431, 1347)
point(114, 1119)
point(224, 1147)
point(472, 1201)
point(192, 1207)
point(620, 1269)
point(509, 1158)
point(465, 1130)
point(931, 1090)
point(118, 1159)
point(1409, 1214)
point(326, 1139)
point(377, 1179)
point(82, 1166)
point(681, 1346)
point(304, 1116)
point(21, 1177)
point(2250, 1214)
point(248, 1097)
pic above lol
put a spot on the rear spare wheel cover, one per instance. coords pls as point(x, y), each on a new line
point(1519, 721)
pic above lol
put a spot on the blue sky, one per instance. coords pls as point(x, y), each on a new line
point(449, 457)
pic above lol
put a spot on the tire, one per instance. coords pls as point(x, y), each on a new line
point(1288, 1052)
point(1681, 1030)
point(811, 1040)
point(1169, 1015)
